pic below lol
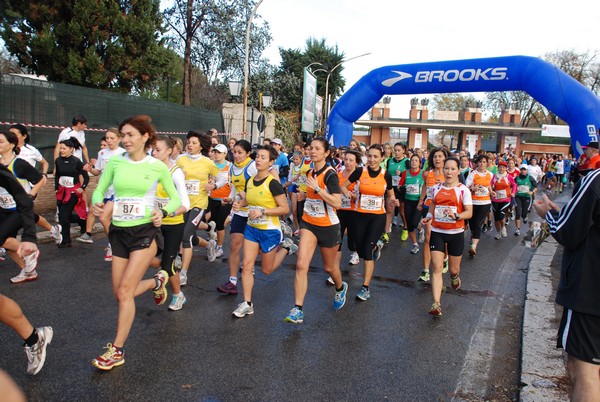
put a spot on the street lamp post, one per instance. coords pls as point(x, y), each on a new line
point(248, 26)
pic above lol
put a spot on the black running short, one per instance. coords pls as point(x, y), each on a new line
point(125, 240)
point(453, 242)
point(327, 236)
point(579, 336)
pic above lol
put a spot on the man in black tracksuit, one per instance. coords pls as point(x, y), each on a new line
point(577, 227)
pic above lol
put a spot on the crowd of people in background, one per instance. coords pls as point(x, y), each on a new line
point(160, 196)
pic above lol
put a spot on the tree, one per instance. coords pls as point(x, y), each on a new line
point(211, 34)
point(8, 64)
point(111, 44)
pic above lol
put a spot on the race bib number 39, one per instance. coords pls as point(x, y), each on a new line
point(371, 202)
point(128, 209)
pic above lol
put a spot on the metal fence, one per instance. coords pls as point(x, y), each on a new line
point(47, 107)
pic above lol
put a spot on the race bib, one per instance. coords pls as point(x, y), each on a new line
point(128, 209)
point(345, 202)
point(523, 188)
point(314, 208)
point(261, 220)
point(481, 191)
point(66, 181)
point(395, 181)
point(501, 194)
point(412, 189)
point(371, 202)
point(192, 187)
point(445, 213)
point(302, 179)
point(161, 203)
point(429, 192)
point(6, 200)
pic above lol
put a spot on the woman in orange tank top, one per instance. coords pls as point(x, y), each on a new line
point(433, 176)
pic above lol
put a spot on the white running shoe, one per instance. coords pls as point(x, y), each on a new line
point(354, 258)
point(286, 229)
point(421, 235)
point(211, 230)
point(498, 236)
point(219, 252)
point(108, 253)
point(36, 354)
point(2, 254)
point(177, 302)
point(56, 233)
point(211, 250)
point(243, 309)
point(183, 278)
point(31, 261)
point(24, 277)
point(504, 234)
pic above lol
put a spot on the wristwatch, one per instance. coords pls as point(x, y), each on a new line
point(317, 189)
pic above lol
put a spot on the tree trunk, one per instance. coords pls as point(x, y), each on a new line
point(187, 56)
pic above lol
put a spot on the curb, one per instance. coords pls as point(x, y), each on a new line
point(543, 372)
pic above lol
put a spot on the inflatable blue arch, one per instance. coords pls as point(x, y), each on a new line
point(552, 87)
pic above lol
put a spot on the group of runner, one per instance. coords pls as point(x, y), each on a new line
point(155, 193)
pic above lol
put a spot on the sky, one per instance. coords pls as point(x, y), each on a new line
point(403, 32)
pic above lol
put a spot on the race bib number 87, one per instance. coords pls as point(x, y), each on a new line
point(128, 209)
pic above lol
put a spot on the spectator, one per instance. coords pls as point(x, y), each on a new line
point(576, 226)
point(79, 124)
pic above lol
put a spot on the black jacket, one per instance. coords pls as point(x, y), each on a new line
point(577, 228)
point(24, 203)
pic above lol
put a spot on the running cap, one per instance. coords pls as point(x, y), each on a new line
point(220, 148)
point(523, 167)
point(276, 141)
point(593, 144)
point(502, 163)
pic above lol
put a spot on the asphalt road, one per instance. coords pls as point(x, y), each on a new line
point(388, 348)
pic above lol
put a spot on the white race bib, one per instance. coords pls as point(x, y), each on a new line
point(429, 192)
point(523, 188)
point(345, 202)
point(395, 181)
point(128, 209)
point(161, 203)
point(412, 189)
point(6, 200)
point(445, 213)
point(66, 181)
point(192, 187)
point(481, 191)
point(501, 194)
point(371, 202)
point(261, 220)
point(314, 208)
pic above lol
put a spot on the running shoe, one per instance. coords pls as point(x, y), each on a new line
point(436, 309)
point(287, 231)
point(524, 220)
point(178, 262)
point(108, 253)
point(24, 277)
point(296, 316)
point(229, 288)
point(445, 268)
point(473, 250)
point(484, 228)
point(414, 249)
point(177, 302)
point(456, 282)
point(36, 354)
point(377, 250)
point(289, 245)
point(31, 261)
point(211, 230)
point(503, 232)
point(109, 359)
point(219, 252)
point(489, 227)
point(56, 233)
point(424, 276)
point(243, 309)
point(404, 235)
point(498, 236)
point(2, 254)
point(160, 290)
point(518, 232)
point(354, 258)
point(85, 238)
point(183, 278)
point(340, 297)
point(421, 235)
point(329, 281)
point(385, 238)
point(211, 250)
point(364, 294)
point(395, 221)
